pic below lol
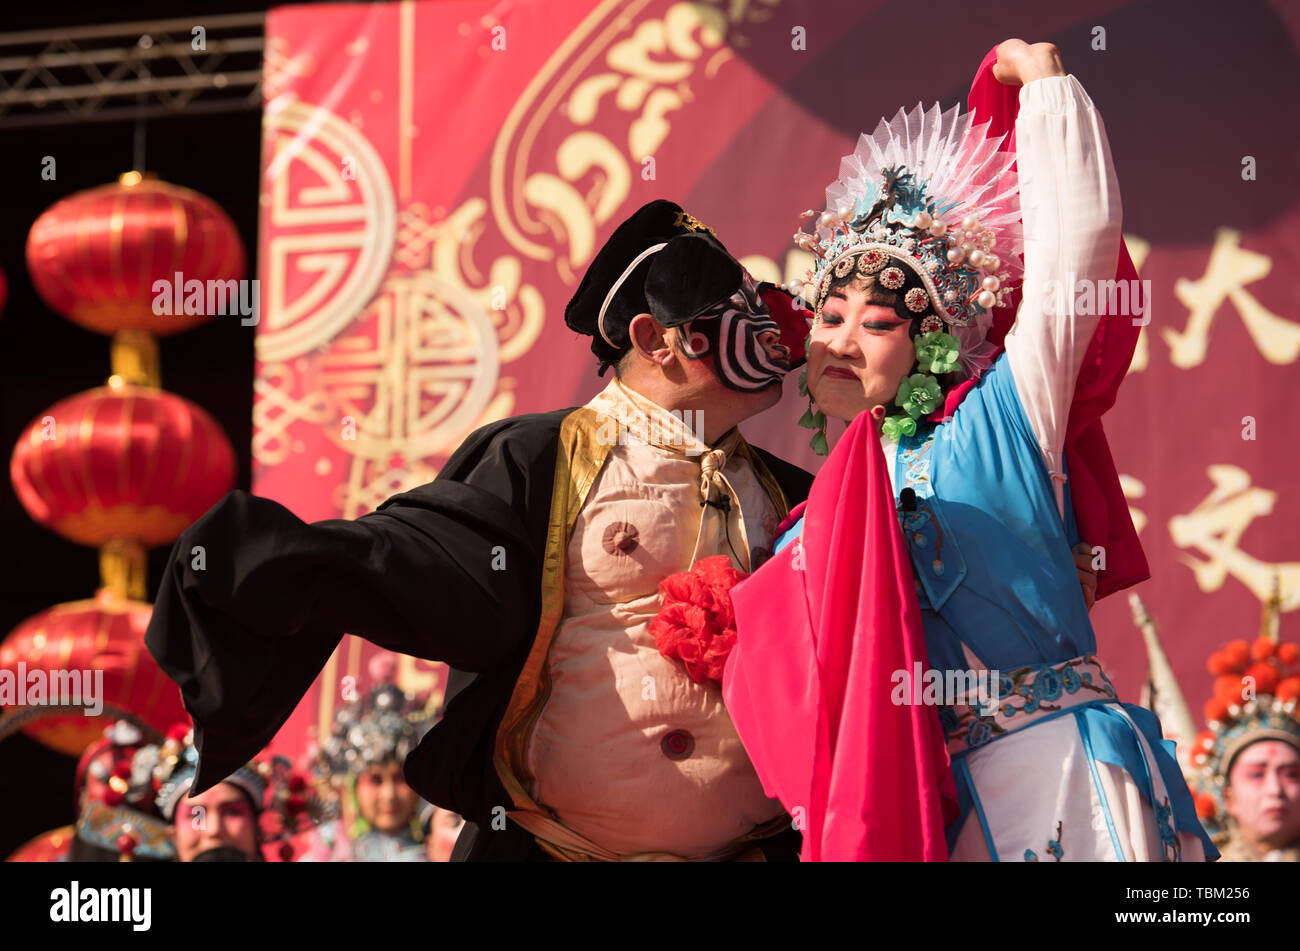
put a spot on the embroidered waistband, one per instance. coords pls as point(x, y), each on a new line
point(1024, 697)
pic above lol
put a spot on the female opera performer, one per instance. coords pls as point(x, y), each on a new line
point(920, 245)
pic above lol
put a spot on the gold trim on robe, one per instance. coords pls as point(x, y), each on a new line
point(584, 446)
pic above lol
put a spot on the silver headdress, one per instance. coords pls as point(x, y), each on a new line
point(385, 724)
point(930, 192)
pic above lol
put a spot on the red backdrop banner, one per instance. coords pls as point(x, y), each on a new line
point(437, 176)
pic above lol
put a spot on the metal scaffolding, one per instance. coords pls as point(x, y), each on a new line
point(131, 70)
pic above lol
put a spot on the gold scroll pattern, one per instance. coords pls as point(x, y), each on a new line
point(416, 332)
point(415, 386)
point(549, 207)
point(392, 341)
point(341, 184)
point(421, 370)
point(1222, 290)
point(1214, 527)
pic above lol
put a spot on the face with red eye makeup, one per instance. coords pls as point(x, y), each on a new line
point(221, 817)
point(859, 351)
point(1263, 794)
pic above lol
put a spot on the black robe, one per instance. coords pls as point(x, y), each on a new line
point(245, 636)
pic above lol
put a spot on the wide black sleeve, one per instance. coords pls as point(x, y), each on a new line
point(795, 482)
point(254, 600)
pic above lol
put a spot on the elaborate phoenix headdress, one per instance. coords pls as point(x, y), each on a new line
point(930, 192)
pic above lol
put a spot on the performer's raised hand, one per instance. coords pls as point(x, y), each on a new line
point(1019, 62)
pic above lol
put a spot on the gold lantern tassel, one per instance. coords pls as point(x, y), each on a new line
point(122, 568)
point(134, 358)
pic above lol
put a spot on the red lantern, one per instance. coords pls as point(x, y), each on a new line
point(104, 633)
point(121, 463)
point(94, 257)
point(126, 466)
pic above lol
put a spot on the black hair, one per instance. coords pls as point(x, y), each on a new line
point(619, 364)
point(882, 296)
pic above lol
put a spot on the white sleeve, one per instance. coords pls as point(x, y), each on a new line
point(1070, 203)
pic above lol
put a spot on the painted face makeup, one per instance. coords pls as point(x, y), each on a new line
point(743, 338)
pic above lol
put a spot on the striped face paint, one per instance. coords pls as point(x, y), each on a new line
point(743, 339)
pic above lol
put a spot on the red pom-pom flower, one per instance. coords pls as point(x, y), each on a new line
point(1206, 807)
point(1288, 689)
point(1265, 676)
point(1220, 664)
point(695, 623)
point(1238, 654)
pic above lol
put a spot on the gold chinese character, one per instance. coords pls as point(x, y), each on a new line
point(1214, 528)
point(1231, 268)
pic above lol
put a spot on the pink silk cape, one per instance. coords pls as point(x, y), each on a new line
point(823, 628)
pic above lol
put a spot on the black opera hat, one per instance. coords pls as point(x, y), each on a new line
point(661, 261)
